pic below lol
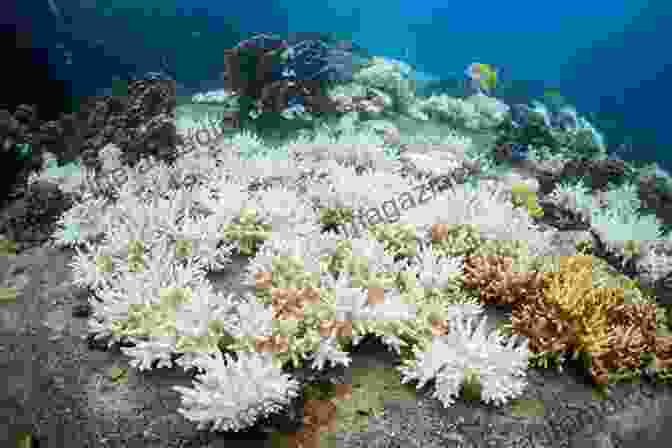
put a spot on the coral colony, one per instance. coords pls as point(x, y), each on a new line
point(353, 228)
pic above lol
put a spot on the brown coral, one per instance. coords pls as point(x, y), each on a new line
point(272, 344)
point(574, 316)
point(319, 416)
point(544, 325)
point(641, 315)
point(497, 283)
point(336, 328)
point(263, 280)
point(663, 351)
point(440, 232)
point(625, 345)
point(375, 296)
point(288, 303)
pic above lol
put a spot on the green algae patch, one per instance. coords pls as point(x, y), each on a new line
point(8, 295)
point(528, 408)
point(371, 388)
point(118, 375)
point(7, 248)
point(24, 440)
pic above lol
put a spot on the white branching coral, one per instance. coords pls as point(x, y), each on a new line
point(276, 166)
point(390, 76)
point(223, 198)
point(351, 147)
point(93, 267)
point(350, 302)
point(134, 220)
point(468, 351)
point(434, 163)
point(247, 143)
point(486, 208)
point(491, 110)
point(130, 304)
point(475, 112)
point(252, 320)
point(201, 238)
point(232, 394)
point(372, 253)
point(81, 222)
point(348, 189)
point(434, 271)
point(284, 210)
point(310, 249)
point(328, 350)
point(145, 353)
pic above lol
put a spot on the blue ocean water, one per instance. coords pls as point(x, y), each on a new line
point(610, 59)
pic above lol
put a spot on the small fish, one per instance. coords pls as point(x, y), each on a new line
point(482, 77)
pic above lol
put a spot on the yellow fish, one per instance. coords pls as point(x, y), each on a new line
point(484, 75)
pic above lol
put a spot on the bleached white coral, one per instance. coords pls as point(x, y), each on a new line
point(491, 110)
point(145, 353)
point(194, 317)
point(617, 225)
point(275, 165)
point(500, 365)
point(434, 271)
point(434, 164)
point(252, 319)
point(372, 252)
point(475, 112)
point(200, 238)
point(361, 191)
point(232, 394)
point(93, 267)
point(223, 198)
point(247, 143)
point(283, 209)
point(352, 147)
point(81, 222)
point(486, 208)
point(136, 290)
point(388, 75)
point(328, 351)
point(310, 248)
point(131, 219)
point(350, 302)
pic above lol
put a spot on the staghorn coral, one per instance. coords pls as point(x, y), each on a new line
point(497, 283)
